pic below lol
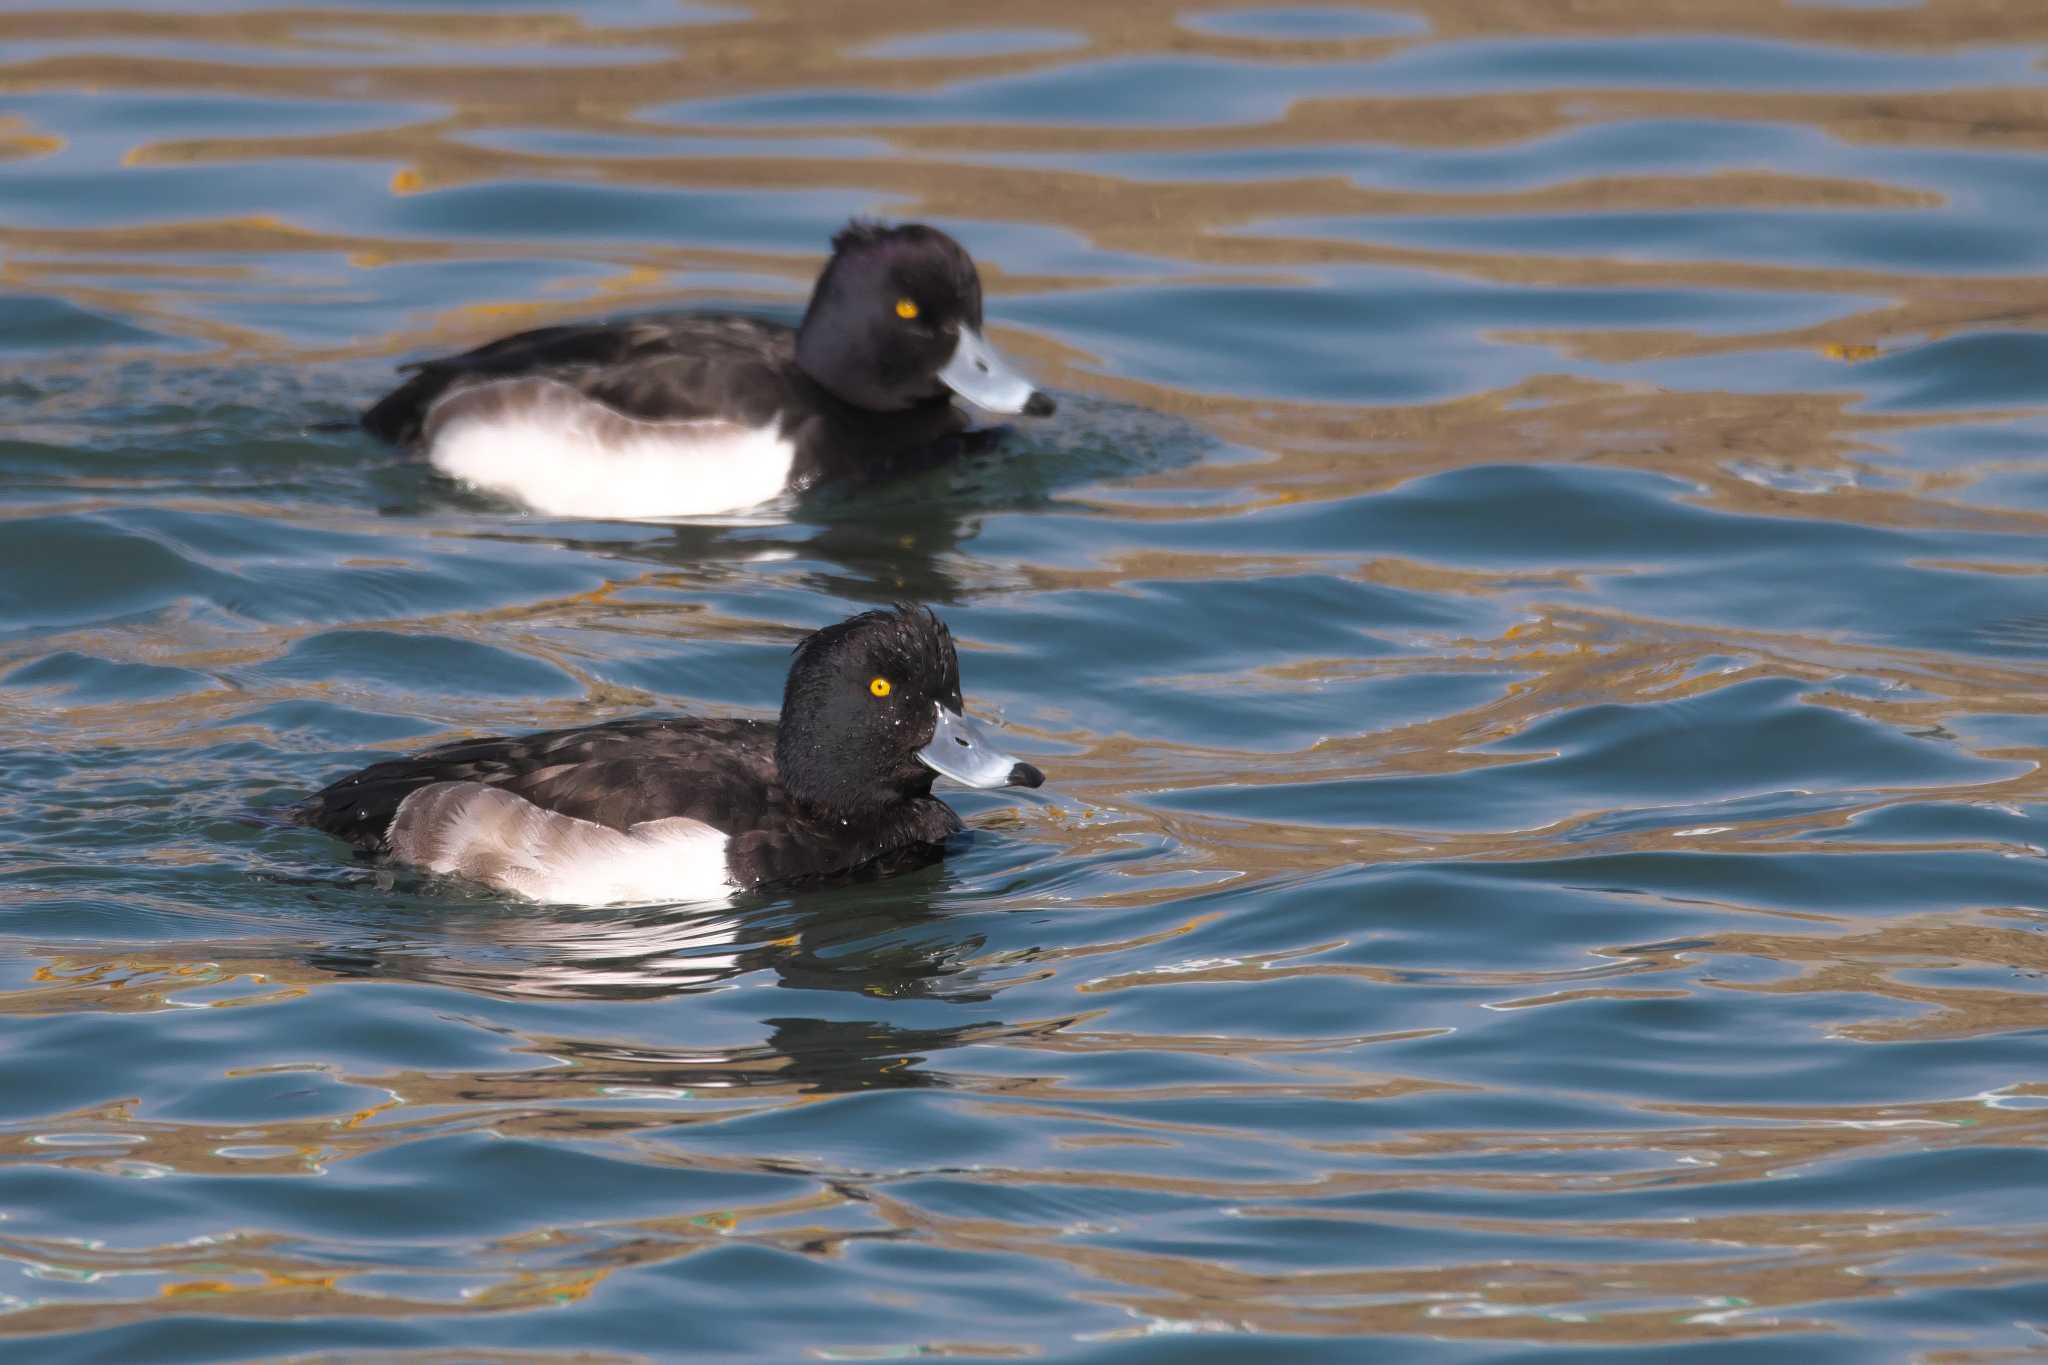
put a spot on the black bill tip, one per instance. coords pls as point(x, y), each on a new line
point(1024, 775)
point(1039, 404)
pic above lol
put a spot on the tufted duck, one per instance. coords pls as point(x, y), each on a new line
point(692, 809)
point(687, 414)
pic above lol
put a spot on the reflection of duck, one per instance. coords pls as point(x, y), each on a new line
point(539, 953)
point(691, 414)
point(858, 942)
point(809, 1056)
point(548, 953)
point(694, 809)
point(876, 545)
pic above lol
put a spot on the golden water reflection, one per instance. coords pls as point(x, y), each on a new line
point(429, 103)
point(1689, 1278)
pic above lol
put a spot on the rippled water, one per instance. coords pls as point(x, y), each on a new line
point(1532, 609)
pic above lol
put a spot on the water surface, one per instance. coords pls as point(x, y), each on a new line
point(1532, 609)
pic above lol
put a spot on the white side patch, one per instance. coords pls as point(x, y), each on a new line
point(489, 835)
point(562, 453)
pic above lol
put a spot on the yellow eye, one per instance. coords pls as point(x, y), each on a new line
point(880, 687)
point(905, 309)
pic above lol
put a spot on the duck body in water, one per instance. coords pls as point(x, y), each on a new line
point(690, 414)
point(695, 809)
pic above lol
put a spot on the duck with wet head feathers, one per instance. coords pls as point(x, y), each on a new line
point(692, 414)
point(696, 809)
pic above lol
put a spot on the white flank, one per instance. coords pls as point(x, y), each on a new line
point(561, 453)
point(490, 835)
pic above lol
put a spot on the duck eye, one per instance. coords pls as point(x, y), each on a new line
point(905, 309)
point(880, 686)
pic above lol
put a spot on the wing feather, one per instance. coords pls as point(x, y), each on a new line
point(663, 366)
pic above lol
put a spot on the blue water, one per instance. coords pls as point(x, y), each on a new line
point(1532, 612)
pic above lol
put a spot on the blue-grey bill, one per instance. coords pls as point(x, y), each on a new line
point(984, 378)
point(961, 750)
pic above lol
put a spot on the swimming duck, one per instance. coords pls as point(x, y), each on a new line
point(696, 809)
point(689, 414)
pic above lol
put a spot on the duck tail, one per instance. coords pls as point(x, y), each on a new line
point(397, 417)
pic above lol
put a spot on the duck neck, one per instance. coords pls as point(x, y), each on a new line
point(830, 788)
